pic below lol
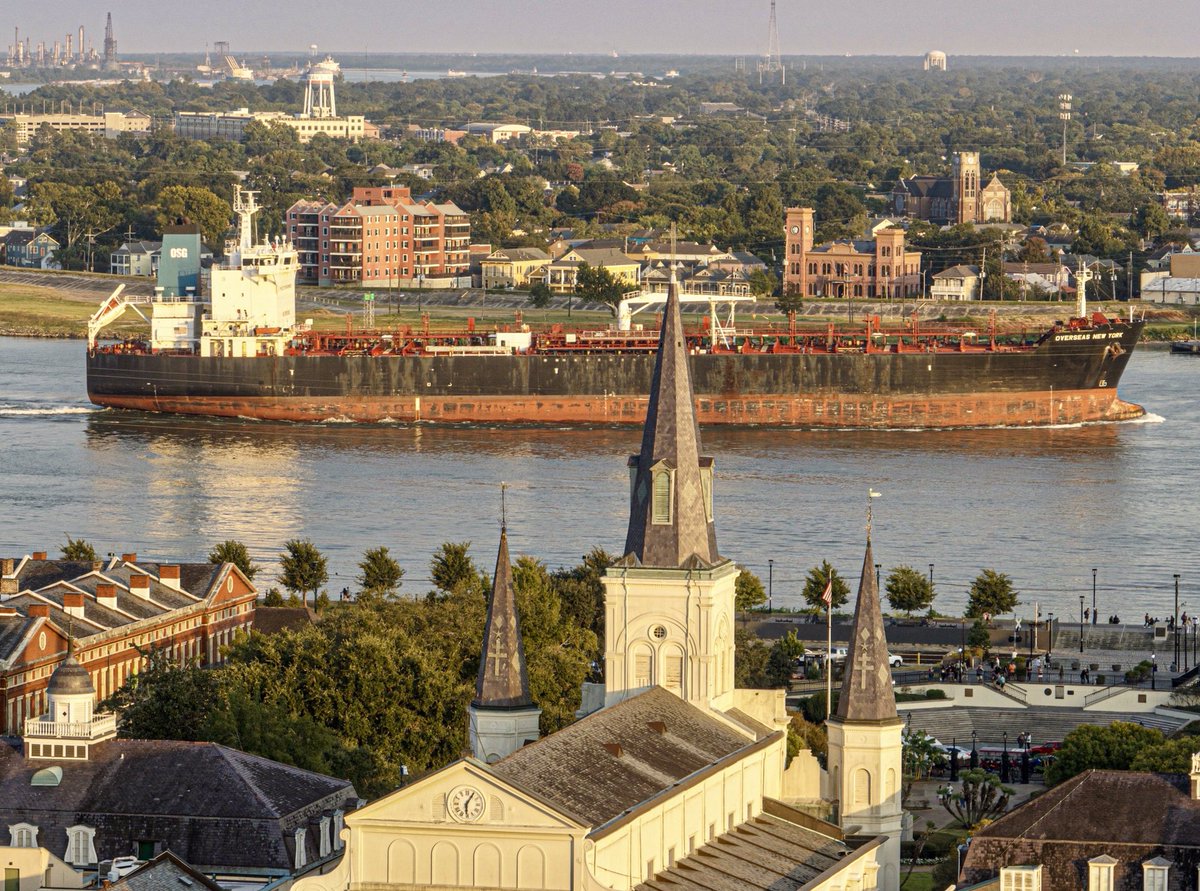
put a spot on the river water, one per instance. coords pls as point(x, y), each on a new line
point(1045, 506)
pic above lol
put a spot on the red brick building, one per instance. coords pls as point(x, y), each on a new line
point(109, 608)
point(381, 237)
point(879, 267)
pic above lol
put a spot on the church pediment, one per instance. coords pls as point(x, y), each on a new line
point(462, 795)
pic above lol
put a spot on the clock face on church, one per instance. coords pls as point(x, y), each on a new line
point(465, 804)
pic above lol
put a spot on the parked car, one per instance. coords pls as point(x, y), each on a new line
point(894, 660)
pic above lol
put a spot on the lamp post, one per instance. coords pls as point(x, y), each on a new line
point(931, 576)
point(1081, 623)
point(1093, 595)
point(1004, 760)
point(953, 759)
point(1175, 620)
point(1049, 639)
point(974, 751)
point(770, 587)
point(877, 568)
point(1025, 760)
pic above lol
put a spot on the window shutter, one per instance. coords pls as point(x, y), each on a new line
point(662, 497)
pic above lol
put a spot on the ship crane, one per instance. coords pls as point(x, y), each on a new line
point(111, 310)
point(722, 330)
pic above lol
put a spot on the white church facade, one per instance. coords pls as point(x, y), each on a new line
point(671, 779)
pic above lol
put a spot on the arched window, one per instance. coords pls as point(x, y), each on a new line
point(862, 787)
point(661, 510)
point(23, 835)
point(81, 845)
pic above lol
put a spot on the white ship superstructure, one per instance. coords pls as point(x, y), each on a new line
point(253, 304)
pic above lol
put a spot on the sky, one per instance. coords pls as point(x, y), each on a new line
point(710, 27)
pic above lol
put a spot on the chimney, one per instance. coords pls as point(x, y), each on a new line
point(97, 566)
point(129, 558)
point(7, 612)
point(39, 611)
point(106, 595)
point(9, 583)
point(139, 585)
point(38, 555)
point(7, 566)
point(168, 574)
point(73, 604)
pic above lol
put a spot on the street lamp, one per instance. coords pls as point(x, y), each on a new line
point(770, 586)
point(1093, 595)
point(1049, 640)
point(877, 567)
point(1175, 621)
point(931, 576)
point(974, 751)
point(1004, 760)
point(953, 759)
point(1081, 623)
point(1025, 760)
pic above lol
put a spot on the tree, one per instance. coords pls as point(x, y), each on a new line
point(78, 212)
point(1173, 756)
point(164, 700)
point(78, 550)
point(979, 636)
point(453, 571)
point(980, 797)
point(304, 568)
point(596, 284)
point(908, 590)
point(1090, 746)
point(1151, 220)
point(380, 573)
point(789, 301)
point(920, 757)
point(1034, 250)
point(198, 205)
point(231, 551)
point(804, 734)
point(782, 659)
point(991, 594)
point(751, 661)
point(818, 578)
point(748, 591)
point(540, 295)
point(763, 283)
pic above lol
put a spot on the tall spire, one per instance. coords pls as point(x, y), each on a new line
point(670, 512)
point(503, 681)
point(867, 693)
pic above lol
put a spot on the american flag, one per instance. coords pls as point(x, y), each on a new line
point(827, 594)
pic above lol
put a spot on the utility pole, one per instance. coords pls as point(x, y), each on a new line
point(1129, 277)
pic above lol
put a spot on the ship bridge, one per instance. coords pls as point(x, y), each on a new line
point(722, 309)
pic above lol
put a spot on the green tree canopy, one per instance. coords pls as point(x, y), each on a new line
point(235, 552)
point(304, 567)
point(991, 594)
point(815, 582)
point(596, 284)
point(908, 590)
point(980, 796)
point(1091, 746)
point(1171, 756)
point(198, 205)
point(748, 591)
point(79, 550)
point(381, 574)
point(453, 571)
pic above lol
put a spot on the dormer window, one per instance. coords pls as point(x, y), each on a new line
point(1155, 874)
point(23, 835)
point(1021, 878)
point(339, 823)
point(324, 847)
point(1100, 873)
point(81, 845)
point(664, 482)
point(301, 856)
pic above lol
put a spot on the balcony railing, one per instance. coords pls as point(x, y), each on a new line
point(100, 725)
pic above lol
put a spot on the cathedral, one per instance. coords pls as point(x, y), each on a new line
point(954, 199)
point(672, 778)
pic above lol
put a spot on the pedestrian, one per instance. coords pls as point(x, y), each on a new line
point(979, 674)
point(1087, 615)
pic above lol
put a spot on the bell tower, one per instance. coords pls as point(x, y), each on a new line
point(966, 187)
point(669, 602)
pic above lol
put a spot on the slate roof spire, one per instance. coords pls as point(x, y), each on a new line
point(503, 681)
point(867, 693)
point(670, 513)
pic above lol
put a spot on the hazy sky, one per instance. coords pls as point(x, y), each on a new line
point(812, 27)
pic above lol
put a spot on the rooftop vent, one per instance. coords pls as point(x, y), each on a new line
point(613, 749)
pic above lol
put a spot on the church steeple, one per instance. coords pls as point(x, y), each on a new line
point(670, 512)
point(867, 693)
point(503, 680)
point(502, 716)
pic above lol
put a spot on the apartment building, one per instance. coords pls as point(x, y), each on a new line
point(381, 237)
point(875, 267)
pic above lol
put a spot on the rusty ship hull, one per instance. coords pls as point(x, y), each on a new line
point(1067, 377)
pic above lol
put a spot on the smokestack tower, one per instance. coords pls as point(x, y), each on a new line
point(772, 63)
point(110, 45)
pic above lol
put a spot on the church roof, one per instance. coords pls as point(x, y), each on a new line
point(925, 186)
point(867, 693)
point(620, 757)
point(770, 853)
point(503, 680)
point(671, 438)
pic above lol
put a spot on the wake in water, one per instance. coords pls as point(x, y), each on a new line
point(16, 411)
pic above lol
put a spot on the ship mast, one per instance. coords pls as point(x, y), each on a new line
point(245, 206)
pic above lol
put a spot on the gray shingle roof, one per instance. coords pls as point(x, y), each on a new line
point(619, 757)
point(166, 872)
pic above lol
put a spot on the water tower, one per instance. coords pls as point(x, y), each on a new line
point(319, 101)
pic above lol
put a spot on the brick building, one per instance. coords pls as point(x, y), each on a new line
point(380, 236)
point(109, 608)
point(876, 267)
point(958, 198)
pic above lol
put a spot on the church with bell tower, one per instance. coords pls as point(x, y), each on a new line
point(671, 777)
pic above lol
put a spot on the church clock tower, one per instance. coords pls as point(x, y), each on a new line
point(669, 601)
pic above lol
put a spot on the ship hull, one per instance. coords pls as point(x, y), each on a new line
point(1069, 378)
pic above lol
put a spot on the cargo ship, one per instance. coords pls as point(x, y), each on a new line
point(241, 352)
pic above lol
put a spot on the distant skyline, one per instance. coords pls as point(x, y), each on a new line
point(706, 27)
